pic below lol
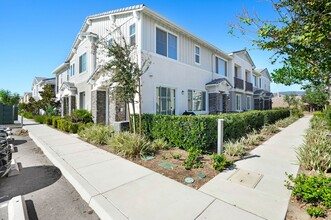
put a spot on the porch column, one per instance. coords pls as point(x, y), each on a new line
point(72, 104)
point(98, 106)
point(214, 103)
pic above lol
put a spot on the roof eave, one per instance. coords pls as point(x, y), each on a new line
point(60, 68)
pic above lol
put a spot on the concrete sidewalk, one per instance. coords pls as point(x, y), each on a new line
point(266, 197)
point(119, 189)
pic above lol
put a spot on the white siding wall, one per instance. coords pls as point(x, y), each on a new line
point(173, 74)
point(185, 45)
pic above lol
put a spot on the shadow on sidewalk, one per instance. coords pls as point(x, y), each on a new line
point(19, 142)
point(29, 179)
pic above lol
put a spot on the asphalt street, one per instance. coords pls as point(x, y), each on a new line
point(47, 193)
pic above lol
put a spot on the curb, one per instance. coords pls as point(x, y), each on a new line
point(101, 206)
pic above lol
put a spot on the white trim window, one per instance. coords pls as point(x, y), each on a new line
point(132, 34)
point(82, 100)
point(238, 102)
point(260, 83)
point(82, 63)
point(197, 53)
point(248, 102)
point(221, 66)
point(196, 100)
point(254, 80)
point(165, 101)
point(72, 69)
point(166, 44)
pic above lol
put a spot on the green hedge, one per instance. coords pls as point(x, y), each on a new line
point(39, 118)
point(54, 121)
point(201, 131)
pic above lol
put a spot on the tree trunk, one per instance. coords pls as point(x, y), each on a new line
point(134, 117)
point(140, 117)
point(130, 124)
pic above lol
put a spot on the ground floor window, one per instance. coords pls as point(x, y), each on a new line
point(82, 100)
point(248, 102)
point(165, 101)
point(238, 102)
point(196, 100)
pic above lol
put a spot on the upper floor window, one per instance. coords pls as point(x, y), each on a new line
point(72, 69)
point(196, 100)
point(197, 52)
point(221, 66)
point(132, 34)
point(260, 83)
point(247, 76)
point(166, 44)
point(68, 72)
point(82, 63)
point(254, 80)
point(236, 72)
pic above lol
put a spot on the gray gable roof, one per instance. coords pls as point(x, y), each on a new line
point(218, 81)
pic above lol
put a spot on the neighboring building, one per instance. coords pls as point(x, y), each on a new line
point(38, 85)
point(186, 74)
point(25, 98)
point(278, 98)
point(261, 85)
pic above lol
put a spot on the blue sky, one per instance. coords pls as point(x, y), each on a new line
point(36, 35)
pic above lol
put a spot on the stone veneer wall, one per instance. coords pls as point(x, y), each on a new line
point(98, 106)
point(72, 104)
point(214, 103)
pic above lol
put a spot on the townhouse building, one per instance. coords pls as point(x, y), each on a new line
point(186, 73)
point(38, 84)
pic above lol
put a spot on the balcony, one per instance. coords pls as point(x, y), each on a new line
point(249, 86)
point(238, 83)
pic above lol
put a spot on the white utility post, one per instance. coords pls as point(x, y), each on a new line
point(21, 120)
point(220, 126)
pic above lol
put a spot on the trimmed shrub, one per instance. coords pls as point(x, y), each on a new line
point(131, 145)
point(28, 115)
point(236, 148)
point(220, 162)
point(81, 115)
point(48, 120)
point(39, 118)
point(318, 114)
point(54, 121)
point(315, 153)
point(201, 131)
point(270, 129)
point(73, 127)
point(97, 134)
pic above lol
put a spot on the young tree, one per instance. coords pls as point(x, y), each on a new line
point(316, 98)
point(47, 98)
point(300, 38)
point(291, 100)
point(124, 74)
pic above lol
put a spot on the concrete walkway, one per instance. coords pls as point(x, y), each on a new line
point(119, 189)
point(265, 197)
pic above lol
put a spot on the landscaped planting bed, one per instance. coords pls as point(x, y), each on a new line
point(173, 162)
point(311, 195)
point(173, 145)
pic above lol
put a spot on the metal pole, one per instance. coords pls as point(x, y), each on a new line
point(21, 120)
point(220, 126)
